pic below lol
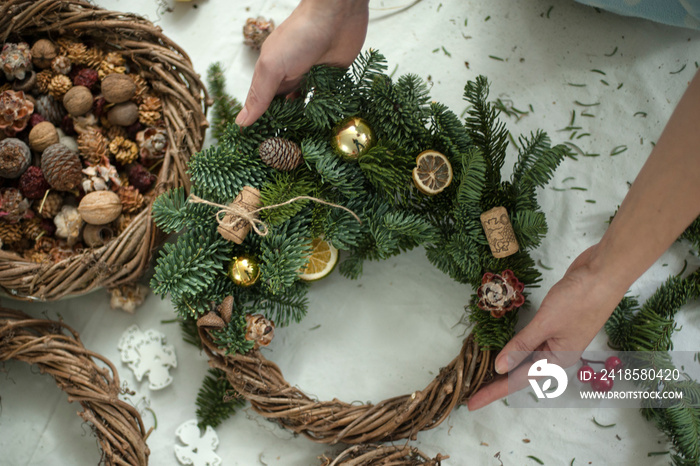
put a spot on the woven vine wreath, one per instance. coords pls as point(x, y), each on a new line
point(56, 349)
point(168, 71)
point(336, 169)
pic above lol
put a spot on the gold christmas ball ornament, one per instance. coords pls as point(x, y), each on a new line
point(244, 270)
point(352, 138)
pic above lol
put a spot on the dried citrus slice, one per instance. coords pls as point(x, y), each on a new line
point(433, 172)
point(321, 261)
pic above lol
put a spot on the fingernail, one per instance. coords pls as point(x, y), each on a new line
point(503, 363)
point(242, 116)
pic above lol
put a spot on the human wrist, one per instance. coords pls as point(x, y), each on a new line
point(336, 7)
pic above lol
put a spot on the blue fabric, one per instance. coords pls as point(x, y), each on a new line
point(683, 13)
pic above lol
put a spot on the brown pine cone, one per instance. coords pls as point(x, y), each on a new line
point(61, 167)
point(142, 87)
point(59, 85)
point(13, 206)
point(49, 207)
point(150, 110)
point(36, 257)
point(279, 153)
point(92, 58)
point(124, 150)
point(15, 111)
point(113, 62)
point(43, 78)
point(32, 229)
point(132, 200)
point(10, 233)
point(115, 132)
point(75, 51)
point(15, 158)
point(92, 145)
point(51, 109)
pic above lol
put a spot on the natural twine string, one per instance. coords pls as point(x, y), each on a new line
point(239, 214)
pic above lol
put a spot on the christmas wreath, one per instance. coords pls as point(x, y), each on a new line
point(370, 167)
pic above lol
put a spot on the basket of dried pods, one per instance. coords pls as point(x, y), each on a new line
point(99, 113)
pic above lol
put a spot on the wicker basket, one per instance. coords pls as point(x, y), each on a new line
point(168, 70)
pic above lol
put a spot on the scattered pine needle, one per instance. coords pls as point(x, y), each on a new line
point(605, 426)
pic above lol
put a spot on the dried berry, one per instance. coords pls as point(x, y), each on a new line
point(32, 183)
point(35, 119)
point(15, 157)
point(141, 178)
point(86, 77)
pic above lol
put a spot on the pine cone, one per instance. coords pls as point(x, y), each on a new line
point(43, 79)
point(124, 150)
point(15, 111)
point(49, 207)
point(45, 243)
point(141, 87)
point(13, 206)
point(150, 111)
point(15, 60)
point(113, 62)
point(279, 153)
point(123, 222)
point(37, 257)
point(132, 200)
point(50, 109)
point(61, 167)
point(115, 132)
point(61, 64)
point(10, 233)
point(15, 157)
point(59, 85)
point(92, 58)
point(92, 145)
point(32, 229)
point(32, 183)
point(75, 51)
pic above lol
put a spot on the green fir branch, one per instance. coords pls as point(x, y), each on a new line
point(216, 400)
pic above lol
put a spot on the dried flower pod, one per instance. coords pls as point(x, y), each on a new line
point(10, 233)
point(259, 329)
point(78, 100)
point(152, 142)
point(211, 321)
point(124, 114)
point(68, 224)
point(43, 135)
point(132, 199)
point(92, 146)
point(13, 206)
point(43, 52)
point(256, 30)
point(225, 309)
point(15, 60)
point(140, 178)
point(26, 84)
point(86, 77)
point(15, 111)
point(97, 235)
point(50, 205)
point(100, 207)
point(61, 167)
point(124, 150)
point(61, 64)
point(85, 123)
point(32, 183)
point(118, 88)
point(150, 111)
point(43, 79)
point(15, 157)
point(499, 294)
point(128, 297)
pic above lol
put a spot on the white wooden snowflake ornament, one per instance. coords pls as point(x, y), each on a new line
point(146, 352)
point(199, 448)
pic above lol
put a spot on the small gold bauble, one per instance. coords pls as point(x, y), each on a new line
point(353, 138)
point(244, 270)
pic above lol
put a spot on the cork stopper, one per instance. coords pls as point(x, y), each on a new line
point(499, 232)
point(249, 200)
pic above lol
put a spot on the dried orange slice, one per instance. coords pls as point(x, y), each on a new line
point(433, 172)
point(321, 261)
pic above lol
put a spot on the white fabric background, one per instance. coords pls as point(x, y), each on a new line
point(390, 332)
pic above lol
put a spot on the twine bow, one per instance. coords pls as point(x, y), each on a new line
point(231, 215)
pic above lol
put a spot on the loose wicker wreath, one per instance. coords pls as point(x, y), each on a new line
point(168, 70)
point(382, 455)
point(262, 383)
point(56, 349)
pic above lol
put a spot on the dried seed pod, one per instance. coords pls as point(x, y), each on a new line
point(15, 111)
point(26, 84)
point(226, 308)
point(68, 224)
point(13, 206)
point(78, 100)
point(256, 30)
point(43, 52)
point(152, 142)
point(97, 235)
point(124, 150)
point(100, 207)
point(15, 60)
point(118, 88)
point(211, 321)
point(61, 64)
point(43, 135)
point(15, 157)
point(61, 167)
point(259, 329)
point(124, 114)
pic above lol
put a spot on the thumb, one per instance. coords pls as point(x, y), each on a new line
point(263, 88)
point(523, 343)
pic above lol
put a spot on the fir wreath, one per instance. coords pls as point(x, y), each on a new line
point(395, 217)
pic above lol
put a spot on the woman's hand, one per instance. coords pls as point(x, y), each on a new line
point(328, 32)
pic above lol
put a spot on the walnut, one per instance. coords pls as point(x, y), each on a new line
point(78, 100)
point(43, 52)
point(42, 136)
point(118, 88)
point(124, 114)
point(100, 207)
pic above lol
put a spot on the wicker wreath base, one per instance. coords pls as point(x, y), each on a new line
point(55, 349)
point(168, 70)
point(261, 382)
point(382, 455)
